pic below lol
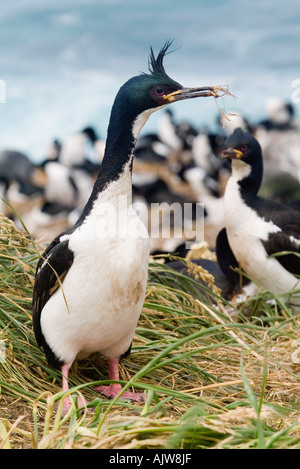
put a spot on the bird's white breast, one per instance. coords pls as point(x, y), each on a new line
point(103, 293)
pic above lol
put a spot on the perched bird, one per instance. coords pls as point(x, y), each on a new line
point(204, 156)
point(280, 115)
point(69, 187)
point(150, 149)
point(167, 131)
point(279, 138)
point(15, 165)
point(17, 171)
point(178, 136)
point(256, 229)
point(90, 281)
point(75, 148)
point(234, 122)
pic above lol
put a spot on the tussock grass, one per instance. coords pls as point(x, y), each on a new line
point(217, 375)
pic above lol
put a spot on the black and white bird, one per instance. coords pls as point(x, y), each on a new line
point(280, 115)
point(90, 281)
point(17, 175)
point(279, 138)
point(256, 229)
point(76, 147)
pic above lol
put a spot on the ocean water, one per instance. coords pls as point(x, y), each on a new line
point(61, 63)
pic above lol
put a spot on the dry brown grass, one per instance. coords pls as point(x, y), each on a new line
point(214, 378)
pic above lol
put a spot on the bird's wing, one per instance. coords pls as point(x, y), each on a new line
point(227, 260)
point(285, 246)
point(52, 268)
point(286, 241)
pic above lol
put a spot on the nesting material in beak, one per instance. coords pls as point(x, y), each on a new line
point(188, 93)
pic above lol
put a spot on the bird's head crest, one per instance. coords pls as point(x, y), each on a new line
point(155, 64)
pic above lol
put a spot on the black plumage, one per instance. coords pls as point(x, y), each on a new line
point(286, 240)
point(227, 262)
point(52, 267)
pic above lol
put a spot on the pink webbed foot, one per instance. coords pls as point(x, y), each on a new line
point(67, 404)
point(113, 390)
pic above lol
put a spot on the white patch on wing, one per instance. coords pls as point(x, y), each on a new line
point(65, 237)
point(295, 240)
point(44, 263)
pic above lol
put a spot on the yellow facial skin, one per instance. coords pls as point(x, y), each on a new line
point(170, 98)
point(238, 153)
point(232, 153)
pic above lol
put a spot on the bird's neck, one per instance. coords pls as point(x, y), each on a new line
point(248, 177)
point(114, 180)
point(117, 158)
point(123, 131)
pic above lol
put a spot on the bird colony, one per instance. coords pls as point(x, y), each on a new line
point(178, 164)
point(61, 201)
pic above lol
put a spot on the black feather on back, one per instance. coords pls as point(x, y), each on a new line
point(282, 241)
point(52, 268)
point(227, 261)
point(287, 252)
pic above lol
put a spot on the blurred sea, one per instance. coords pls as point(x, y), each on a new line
point(63, 62)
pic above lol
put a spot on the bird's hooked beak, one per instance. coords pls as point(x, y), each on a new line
point(232, 154)
point(187, 93)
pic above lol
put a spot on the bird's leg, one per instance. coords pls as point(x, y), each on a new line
point(114, 389)
point(65, 387)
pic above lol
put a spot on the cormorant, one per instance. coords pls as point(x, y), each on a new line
point(90, 281)
point(257, 230)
